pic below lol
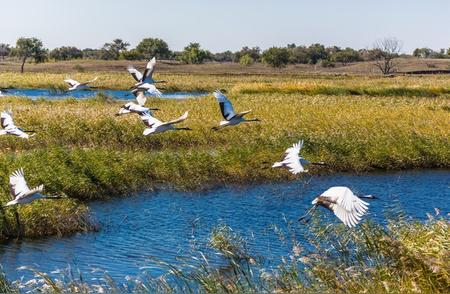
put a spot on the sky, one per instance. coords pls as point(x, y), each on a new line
point(228, 25)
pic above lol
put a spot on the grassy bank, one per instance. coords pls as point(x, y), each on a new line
point(404, 257)
point(429, 86)
point(82, 149)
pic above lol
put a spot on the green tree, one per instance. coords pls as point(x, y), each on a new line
point(193, 54)
point(254, 53)
point(153, 47)
point(276, 57)
point(66, 53)
point(422, 52)
point(298, 54)
point(5, 50)
point(226, 56)
point(112, 51)
point(316, 52)
point(346, 56)
point(89, 53)
point(246, 60)
point(132, 54)
point(30, 48)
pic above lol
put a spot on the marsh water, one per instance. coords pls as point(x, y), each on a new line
point(166, 224)
point(84, 94)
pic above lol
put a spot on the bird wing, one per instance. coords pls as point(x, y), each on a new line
point(349, 218)
point(178, 120)
point(225, 105)
point(148, 72)
point(153, 90)
point(71, 82)
point(241, 114)
point(346, 206)
point(137, 75)
point(149, 120)
point(18, 184)
point(140, 97)
point(292, 158)
point(18, 132)
point(91, 81)
point(7, 120)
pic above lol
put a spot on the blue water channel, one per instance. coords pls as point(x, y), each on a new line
point(166, 224)
point(89, 93)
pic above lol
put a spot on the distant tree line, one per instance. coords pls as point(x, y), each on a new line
point(383, 53)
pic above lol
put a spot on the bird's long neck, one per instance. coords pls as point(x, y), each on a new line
point(367, 196)
point(250, 120)
point(183, 129)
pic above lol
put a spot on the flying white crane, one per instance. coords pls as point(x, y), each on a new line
point(9, 128)
point(20, 191)
point(147, 75)
point(150, 88)
point(293, 161)
point(231, 117)
point(75, 85)
point(154, 126)
point(348, 207)
point(139, 108)
point(145, 81)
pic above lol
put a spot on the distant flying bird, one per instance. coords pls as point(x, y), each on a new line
point(146, 87)
point(145, 81)
point(154, 126)
point(231, 118)
point(9, 128)
point(293, 161)
point(147, 75)
point(75, 85)
point(139, 108)
point(348, 207)
point(20, 191)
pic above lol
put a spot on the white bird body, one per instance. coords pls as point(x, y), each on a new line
point(147, 87)
point(75, 85)
point(231, 117)
point(9, 128)
point(20, 191)
point(146, 76)
point(139, 108)
point(154, 125)
point(145, 81)
point(292, 159)
point(348, 207)
point(132, 107)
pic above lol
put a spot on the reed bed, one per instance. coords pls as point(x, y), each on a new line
point(404, 257)
point(422, 86)
point(103, 153)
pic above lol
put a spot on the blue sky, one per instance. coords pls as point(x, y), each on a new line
point(231, 24)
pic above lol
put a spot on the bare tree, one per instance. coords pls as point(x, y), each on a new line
point(384, 53)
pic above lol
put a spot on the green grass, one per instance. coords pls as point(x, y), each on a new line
point(429, 86)
point(404, 257)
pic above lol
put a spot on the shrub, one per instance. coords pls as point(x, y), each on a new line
point(276, 57)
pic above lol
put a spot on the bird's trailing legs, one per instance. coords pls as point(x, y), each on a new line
point(310, 212)
point(321, 163)
point(19, 225)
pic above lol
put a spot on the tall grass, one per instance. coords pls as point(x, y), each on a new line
point(301, 84)
point(82, 149)
point(404, 257)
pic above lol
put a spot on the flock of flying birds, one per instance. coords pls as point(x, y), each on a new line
point(348, 207)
